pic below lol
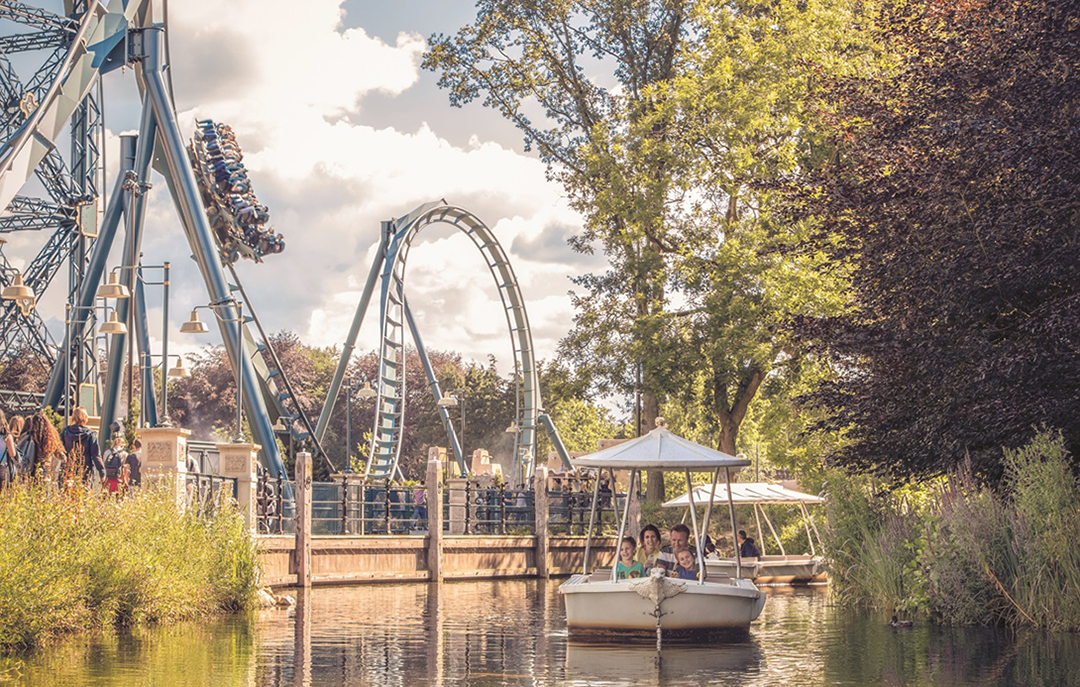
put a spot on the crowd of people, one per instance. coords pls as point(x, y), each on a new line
point(33, 449)
point(677, 559)
point(241, 217)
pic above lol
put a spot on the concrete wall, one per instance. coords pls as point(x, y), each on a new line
point(361, 559)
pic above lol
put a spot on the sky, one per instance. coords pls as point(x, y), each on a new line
point(340, 130)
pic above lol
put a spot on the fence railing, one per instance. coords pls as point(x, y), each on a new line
point(275, 508)
point(203, 491)
point(349, 507)
point(471, 508)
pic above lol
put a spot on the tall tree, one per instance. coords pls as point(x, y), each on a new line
point(667, 168)
point(518, 56)
point(955, 198)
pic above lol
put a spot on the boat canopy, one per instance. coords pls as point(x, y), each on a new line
point(659, 449)
point(760, 493)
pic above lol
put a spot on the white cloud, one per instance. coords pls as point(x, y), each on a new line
point(290, 84)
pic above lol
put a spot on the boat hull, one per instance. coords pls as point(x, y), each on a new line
point(603, 608)
point(771, 570)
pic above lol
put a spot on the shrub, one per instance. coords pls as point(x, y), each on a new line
point(75, 561)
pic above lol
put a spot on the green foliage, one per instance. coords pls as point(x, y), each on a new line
point(131, 424)
point(76, 561)
point(952, 197)
point(961, 552)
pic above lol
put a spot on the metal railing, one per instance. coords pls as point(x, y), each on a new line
point(204, 491)
point(471, 508)
point(568, 512)
point(349, 507)
point(274, 513)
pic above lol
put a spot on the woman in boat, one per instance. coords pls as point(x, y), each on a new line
point(627, 567)
point(649, 552)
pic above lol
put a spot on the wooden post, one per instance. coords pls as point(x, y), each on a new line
point(303, 519)
point(435, 519)
point(540, 508)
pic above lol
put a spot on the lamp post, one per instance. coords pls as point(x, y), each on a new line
point(112, 288)
point(456, 399)
point(111, 326)
point(195, 326)
point(365, 392)
point(178, 372)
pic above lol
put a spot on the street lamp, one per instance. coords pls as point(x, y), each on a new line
point(19, 292)
point(178, 372)
point(196, 326)
point(455, 399)
point(365, 393)
point(111, 326)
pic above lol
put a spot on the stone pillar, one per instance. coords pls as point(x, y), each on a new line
point(540, 507)
point(303, 519)
point(239, 461)
point(458, 504)
point(433, 485)
point(164, 457)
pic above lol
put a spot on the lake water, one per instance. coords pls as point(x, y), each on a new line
point(514, 633)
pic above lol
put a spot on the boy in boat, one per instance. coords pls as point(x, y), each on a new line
point(686, 567)
point(627, 567)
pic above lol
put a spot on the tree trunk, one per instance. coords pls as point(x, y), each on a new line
point(650, 409)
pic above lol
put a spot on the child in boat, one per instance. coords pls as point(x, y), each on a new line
point(627, 567)
point(686, 569)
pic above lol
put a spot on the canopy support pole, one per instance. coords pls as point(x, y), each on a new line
point(592, 520)
point(626, 516)
point(773, 530)
point(760, 536)
point(734, 527)
point(806, 524)
point(697, 534)
point(708, 506)
point(614, 503)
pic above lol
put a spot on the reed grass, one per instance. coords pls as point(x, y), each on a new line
point(968, 554)
point(73, 561)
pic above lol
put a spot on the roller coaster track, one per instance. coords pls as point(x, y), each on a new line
point(394, 317)
point(282, 405)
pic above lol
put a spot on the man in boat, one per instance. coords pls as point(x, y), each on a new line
point(679, 536)
point(747, 548)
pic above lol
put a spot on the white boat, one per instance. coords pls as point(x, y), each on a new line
point(599, 605)
point(767, 569)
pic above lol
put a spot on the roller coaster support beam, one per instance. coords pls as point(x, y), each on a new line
point(354, 331)
point(201, 239)
point(435, 390)
point(135, 211)
point(148, 411)
point(56, 391)
point(556, 440)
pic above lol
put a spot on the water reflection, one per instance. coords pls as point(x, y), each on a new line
point(514, 633)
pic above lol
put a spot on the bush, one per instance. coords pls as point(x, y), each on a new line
point(970, 555)
point(76, 561)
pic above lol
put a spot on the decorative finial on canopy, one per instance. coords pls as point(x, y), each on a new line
point(661, 422)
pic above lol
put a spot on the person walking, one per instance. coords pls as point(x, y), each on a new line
point(133, 465)
point(8, 457)
point(81, 446)
point(38, 446)
point(114, 462)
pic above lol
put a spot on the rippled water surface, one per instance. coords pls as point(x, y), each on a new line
point(514, 633)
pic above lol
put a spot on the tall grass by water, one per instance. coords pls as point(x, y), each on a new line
point(72, 561)
point(963, 553)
